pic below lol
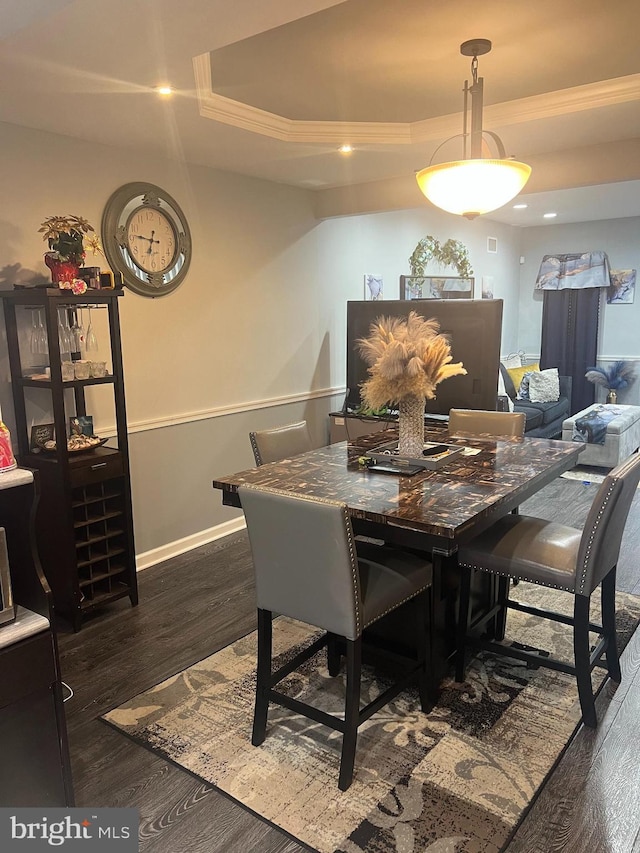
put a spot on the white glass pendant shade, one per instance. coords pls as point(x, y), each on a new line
point(472, 187)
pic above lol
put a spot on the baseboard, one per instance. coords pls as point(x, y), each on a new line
point(188, 543)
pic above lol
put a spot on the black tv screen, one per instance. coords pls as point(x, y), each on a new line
point(474, 329)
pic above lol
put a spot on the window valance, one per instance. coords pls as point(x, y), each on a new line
point(574, 271)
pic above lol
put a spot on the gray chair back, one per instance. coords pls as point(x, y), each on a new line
point(603, 529)
point(304, 558)
point(477, 422)
point(271, 445)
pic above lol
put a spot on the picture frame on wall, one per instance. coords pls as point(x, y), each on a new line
point(436, 287)
point(373, 287)
point(622, 289)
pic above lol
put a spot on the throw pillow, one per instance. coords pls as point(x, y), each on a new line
point(516, 373)
point(507, 381)
point(523, 390)
point(502, 390)
point(512, 361)
point(544, 387)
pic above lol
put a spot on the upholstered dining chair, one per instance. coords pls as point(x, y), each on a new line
point(481, 423)
point(271, 445)
point(564, 558)
point(307, 566)
point(478, 422)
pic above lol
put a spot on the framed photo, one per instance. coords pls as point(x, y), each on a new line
point(39, 434)
point(622, 289)
point(373, 287)
point(81, 425)
point(487, 287)
point(436, 287)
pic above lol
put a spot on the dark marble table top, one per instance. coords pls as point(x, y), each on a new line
point(450, 504)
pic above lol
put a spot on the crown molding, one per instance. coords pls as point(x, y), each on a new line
point(590, 96)
point(228, 111)
point(255, 120)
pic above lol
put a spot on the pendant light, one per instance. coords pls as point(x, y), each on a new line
point(474, 185)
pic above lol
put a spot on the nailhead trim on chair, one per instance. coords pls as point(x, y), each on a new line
point(354, 563)
point(587, 555)
point(520, 577)
point(404, 600)
point(254, 447)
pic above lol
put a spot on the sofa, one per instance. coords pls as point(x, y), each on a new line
point(543, 420)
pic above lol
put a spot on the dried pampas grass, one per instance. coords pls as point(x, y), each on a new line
point(406, 357)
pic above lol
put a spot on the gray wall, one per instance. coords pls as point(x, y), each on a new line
point(618, 335)
point(255, 336)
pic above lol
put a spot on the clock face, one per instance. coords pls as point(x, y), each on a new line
point(146, 238)
point(151, 239)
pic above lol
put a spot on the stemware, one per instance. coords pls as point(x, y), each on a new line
point(42, 343)
point(64, 333)
point(77, 329)
point(91, 343)
point(33, 341)
point(38, 341)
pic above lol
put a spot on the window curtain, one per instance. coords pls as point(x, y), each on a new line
point(574, 270)
point(570, 338)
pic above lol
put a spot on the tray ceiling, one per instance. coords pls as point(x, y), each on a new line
point(270, 90)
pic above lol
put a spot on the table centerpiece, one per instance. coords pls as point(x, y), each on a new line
point(407, 358)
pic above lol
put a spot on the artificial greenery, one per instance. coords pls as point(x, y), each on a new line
point(69, 237)
point(407, 357)
point(452, 253)
point(367, 411)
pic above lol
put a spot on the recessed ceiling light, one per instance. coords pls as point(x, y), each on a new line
point(550, 215)
point(520, 206)
point(164, 90)
point(346, 148)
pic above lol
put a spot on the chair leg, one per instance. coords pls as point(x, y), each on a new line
point(263, 677)
point(463, 621)
point(608, 593)
point(333, 655)
point(501, 617)
point(351, 713)
point(582, 655)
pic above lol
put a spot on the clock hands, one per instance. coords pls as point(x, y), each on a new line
point(150, 239)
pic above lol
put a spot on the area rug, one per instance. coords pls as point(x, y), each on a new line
point(457, 780)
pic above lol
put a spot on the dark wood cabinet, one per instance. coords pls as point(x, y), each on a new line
point(84, 523)
point(33, 733)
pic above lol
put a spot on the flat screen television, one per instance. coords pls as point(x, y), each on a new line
point(474, 329)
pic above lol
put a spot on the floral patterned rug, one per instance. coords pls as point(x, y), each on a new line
point(457, 780)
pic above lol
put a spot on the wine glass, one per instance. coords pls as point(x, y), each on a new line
point(64, 332)
point(35, 332)
point(41, 338)
point(91, 343)
point(77, 329)
point(38, 341)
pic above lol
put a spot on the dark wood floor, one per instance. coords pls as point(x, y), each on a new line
point(197, 603)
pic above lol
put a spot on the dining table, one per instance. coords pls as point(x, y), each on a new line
point(433, 510)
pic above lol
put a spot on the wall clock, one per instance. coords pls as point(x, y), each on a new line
point(146, 238)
